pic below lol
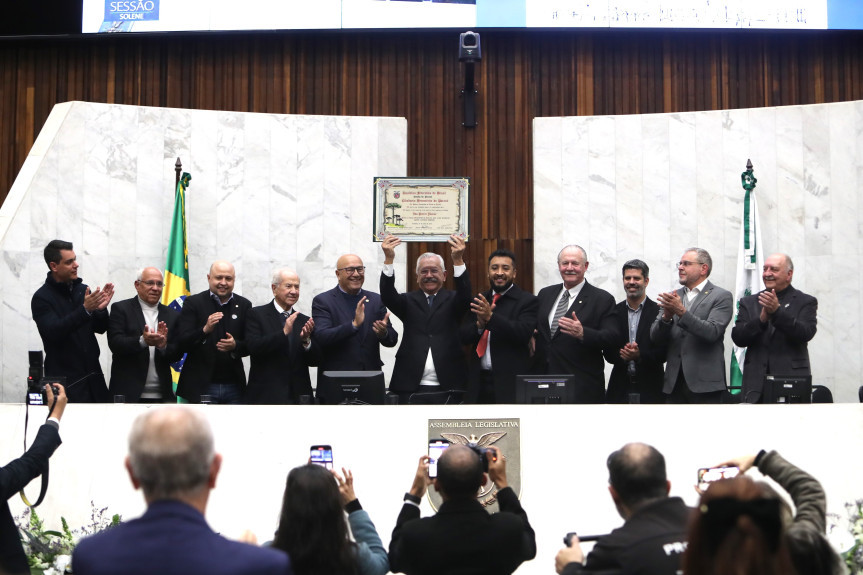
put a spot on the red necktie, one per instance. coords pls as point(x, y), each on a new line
point(483, 340)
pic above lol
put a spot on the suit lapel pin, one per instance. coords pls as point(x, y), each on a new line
point(786, 305)
point(234, 316)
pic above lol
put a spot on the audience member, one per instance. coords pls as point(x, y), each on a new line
point(653, 536)
point(463, 537)
point(498, 333)
point(69, 314)
point(280, 345)
point(15, 475)
point(173, 460)
point(212, 331)
point(430, 358)
point(138, 332)
point(737, 529)
point(312, 528)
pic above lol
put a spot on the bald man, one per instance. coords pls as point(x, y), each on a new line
point(212, 330)
point(351, 323)
point(280, 346)
point(138, 331)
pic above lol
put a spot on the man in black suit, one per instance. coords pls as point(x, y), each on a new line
point(280, 346)
point(15, 475)
point(69, 314)
point(575, 322)
point(653, 537)
point(351, 323)
point(212, 331)
point(775, 326)
point(461, 537)
point(430, 359)
point(637, 376)
point(498, 332)
point(138, 336)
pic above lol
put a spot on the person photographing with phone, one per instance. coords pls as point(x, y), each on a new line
point(459, 536)
point(15, 475)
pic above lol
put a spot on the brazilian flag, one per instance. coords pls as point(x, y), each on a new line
point(177, 268)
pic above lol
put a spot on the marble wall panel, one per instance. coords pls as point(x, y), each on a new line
point(267, 191)
point(809, 165)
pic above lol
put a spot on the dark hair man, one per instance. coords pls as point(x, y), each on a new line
point(69, 314)
point(15, 475)
point(775, 326)
point(692, 324)
point(498, 332)
point(459, 537)
point(638, 371)
point(173, 460)
point(653, 536)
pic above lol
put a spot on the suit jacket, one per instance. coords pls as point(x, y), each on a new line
point(435, 327)
point(14, 476)
point(510, 329)
point(460, 537)
point(649, 371)
point(344, 348)
point(68, 334)
point(279, 371)
point(695, 340)
point(778, 347)
point(651, 542)
point(197, 371)
point(131, 362)
point(172, 538)
point(562, 354)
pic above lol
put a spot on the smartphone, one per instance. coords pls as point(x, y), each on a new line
point(707, 475)
point(436, 449)
point(322, 455)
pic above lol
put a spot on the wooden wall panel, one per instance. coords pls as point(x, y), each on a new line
point(416, 75)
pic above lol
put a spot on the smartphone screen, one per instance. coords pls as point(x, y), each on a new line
point(707, 475)
point(436, 449)
point(322, 455)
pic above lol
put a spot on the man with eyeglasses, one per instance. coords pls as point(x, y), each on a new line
point(692, 324)
point(138, 337)
point(351, 323)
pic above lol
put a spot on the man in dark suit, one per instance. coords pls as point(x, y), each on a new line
point(430, 359)
point(172, 459)
point(69, 314)
point(212, 331)
point(575, 322)
point(653, 537)
point(15, 475)
point(280, 346)
point(692, 324)
point(775, 326)
point(498, 333)
point(459, 539)
point(351, 323)
point(138, 336)
point(637, 375)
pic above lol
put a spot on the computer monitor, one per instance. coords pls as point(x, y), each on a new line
point(351, 388)
point(787, 389)
point(545, 388)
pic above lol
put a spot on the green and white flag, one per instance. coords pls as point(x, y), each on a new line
point(750, 261)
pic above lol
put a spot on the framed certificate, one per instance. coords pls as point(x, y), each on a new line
point(421, 209)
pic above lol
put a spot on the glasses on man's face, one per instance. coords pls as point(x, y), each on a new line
point(686, 264)
point(353, 270)
point(152, 283)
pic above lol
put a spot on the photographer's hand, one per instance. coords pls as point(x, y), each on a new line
point(497, 468)
point(567, 555)
point(421, 478)
point(62, 400)
point(346, 485)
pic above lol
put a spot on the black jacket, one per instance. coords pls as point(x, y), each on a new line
point(649, 369)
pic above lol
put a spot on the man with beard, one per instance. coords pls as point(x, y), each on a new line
point(429, 359)
point(638, 362)
point(575, 322)
point(498, 331)
point(692, 324)
point(775, 326)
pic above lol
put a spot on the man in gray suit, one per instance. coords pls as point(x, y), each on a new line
point(692, 324)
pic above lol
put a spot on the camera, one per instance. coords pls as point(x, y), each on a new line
point(469, 49)
point(36, 382)
point(484, 455)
